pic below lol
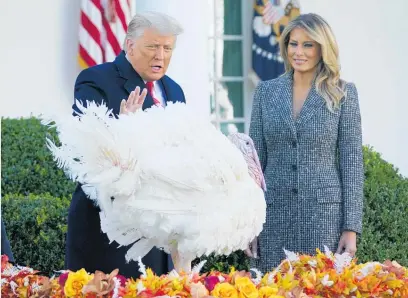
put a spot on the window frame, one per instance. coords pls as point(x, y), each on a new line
point(246, 40)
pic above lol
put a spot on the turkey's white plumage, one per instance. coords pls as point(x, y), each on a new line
point(178, 183)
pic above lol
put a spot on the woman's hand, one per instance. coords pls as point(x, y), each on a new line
point(252, 250)
point(348, 243)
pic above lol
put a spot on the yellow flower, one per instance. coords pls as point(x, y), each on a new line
point(232, 271)
point(75, 282)
point(265, 279)
point(267, 291)
point(288, 281)
point(152, 281)
point(131, 288)
point(246, 288)
point(176, 287)
point(226, 290)
point(393, 284)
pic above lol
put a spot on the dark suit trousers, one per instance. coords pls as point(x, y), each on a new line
point(87, 247)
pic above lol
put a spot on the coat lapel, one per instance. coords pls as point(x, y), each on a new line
point(133, 79)
point(312, 104)
point(286, 94)
point(167, 90)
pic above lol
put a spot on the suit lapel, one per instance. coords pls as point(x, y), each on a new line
point(133, 79)
point(169, 96)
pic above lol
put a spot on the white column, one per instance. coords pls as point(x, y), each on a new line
point(189, 66)
point(38, 56)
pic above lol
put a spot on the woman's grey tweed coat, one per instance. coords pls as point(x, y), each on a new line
point(313, 168)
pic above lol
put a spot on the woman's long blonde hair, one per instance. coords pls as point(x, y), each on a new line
point(328, 82)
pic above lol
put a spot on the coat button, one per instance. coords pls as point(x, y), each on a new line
point(294, 167)
point(294, 144)
point(295, 191)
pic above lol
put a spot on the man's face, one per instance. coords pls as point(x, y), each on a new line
point(150, 54)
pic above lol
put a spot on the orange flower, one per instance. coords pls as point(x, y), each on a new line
point(101, 284)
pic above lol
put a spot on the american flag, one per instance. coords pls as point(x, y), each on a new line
point(102, 30)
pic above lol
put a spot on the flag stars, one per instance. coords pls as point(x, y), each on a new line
point(268, 55)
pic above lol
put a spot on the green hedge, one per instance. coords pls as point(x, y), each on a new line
point(385, 222)
point(26, 164)
point(36, 224)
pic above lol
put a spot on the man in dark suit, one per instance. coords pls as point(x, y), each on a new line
point(142, 65)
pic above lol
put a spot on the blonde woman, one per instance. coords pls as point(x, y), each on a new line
point(306, 127)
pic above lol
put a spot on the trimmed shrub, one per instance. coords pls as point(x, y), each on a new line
point(27, 165)
point(385, 223)
point(36, 227)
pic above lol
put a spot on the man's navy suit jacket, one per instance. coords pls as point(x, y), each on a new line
point(87, 247)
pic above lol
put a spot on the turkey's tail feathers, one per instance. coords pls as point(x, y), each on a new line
point(95, 150)
point(125, 235)
point(139, 249)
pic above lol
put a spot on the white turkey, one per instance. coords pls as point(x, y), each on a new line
point(178, 183)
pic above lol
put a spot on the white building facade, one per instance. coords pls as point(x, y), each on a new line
point(212, 60)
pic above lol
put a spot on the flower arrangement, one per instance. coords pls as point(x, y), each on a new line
point(298, 276)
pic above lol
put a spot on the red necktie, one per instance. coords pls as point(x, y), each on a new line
point(149, 86)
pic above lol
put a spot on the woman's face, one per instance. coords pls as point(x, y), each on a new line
point(303, 52)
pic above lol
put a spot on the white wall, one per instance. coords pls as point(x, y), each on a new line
point(372, 37)
point(39, 65)
point(38, 55)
